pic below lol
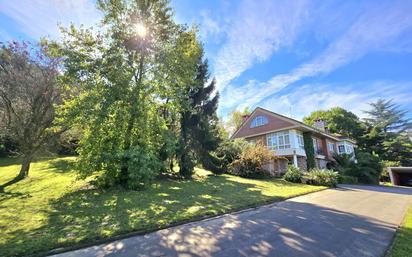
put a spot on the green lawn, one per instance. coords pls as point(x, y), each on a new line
point(52, 209)
point(402, 245)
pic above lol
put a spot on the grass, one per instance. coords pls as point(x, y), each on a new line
point(402, 245)
point(52, 209)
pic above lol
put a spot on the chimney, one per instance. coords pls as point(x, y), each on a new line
point(320, 124)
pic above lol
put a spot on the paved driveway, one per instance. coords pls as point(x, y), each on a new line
point(347, 221)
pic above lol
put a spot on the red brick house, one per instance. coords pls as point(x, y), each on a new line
point(284, 136)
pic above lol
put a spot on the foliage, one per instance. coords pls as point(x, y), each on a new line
point(141, 96)
point(251, 162)
point(348, 179)
point(387, 115)
point(402, 244)
point(338, 120)
point(236, 118)
point(199, 131)
point(59, 210)
point(8, 146)
point(398, 148)
point(309, 150)
point(321, 177)
point(367, 168)
point(386, 134)
point(230, 150)
point(384, 173)
point(29, 91)
point(293, 174)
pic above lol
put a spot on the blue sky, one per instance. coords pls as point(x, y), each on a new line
point(291, 57)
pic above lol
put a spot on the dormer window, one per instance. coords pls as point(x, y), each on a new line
point(259, 121)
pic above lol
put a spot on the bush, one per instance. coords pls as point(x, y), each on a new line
point(384, 176)
point(348, 179)
point(251, 161)
point(367, 169)
point(321, 177)
point(230, 150)
point(293, 174)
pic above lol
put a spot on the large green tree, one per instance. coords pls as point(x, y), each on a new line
point(123, 79)
point(388, 116)
point(386, 134)
point(338, 120)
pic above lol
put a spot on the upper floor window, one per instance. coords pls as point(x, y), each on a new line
point(259, 121)
point(341, 148)
point(300, 141)
point(331, 147)
point(279, 140)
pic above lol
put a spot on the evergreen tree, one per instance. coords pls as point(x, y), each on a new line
point(198, 122)
point(386, 132)
point(388, 116)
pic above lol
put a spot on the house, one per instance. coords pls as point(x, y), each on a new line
point(285, 136)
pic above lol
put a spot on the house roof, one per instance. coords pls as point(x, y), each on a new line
point(296, 122)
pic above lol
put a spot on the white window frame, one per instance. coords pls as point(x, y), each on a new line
point(331, 147)
point(301, 142)
point(278, 141)
point(315, 145)
point(259, 121)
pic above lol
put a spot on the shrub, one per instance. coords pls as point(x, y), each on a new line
point(384, 176)
point(321, 177)
point(293, 174)
point(251, 161)
point(367, 169)
point(348, 179)
point(230, 150)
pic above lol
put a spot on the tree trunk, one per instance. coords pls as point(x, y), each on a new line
point(25, 166)
point(24, 171)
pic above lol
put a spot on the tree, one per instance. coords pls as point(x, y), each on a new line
point(338, 120)
point(122, 80)
point(236, 119)
point(199, 125)
point(398, 149)
point(29, 91)
point(388, 116)
point(386, 132)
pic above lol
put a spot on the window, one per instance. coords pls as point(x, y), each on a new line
point(315, 145)
point(341, 148)
point(279, 140)
point(331, 147)
point(300, 141)
point(350, 148)
point(259, 121)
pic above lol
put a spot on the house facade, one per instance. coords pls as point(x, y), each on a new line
point(284, 136)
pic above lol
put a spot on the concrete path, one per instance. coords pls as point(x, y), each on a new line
point(347, 221)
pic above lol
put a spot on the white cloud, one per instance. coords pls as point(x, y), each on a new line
point(260, 29)
point(38, 18)
point(353, 97)
point(374, 30)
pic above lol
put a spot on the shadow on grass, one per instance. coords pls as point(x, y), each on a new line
point(62, 165)
point(90, 215)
